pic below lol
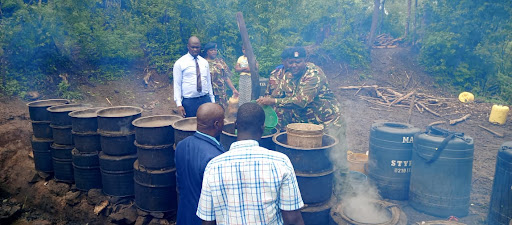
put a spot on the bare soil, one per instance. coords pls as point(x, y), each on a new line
point(40, 200)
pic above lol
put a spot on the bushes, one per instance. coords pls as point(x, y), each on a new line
point(102, 40)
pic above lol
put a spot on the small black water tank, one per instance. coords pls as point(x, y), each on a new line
point(500, 209)
point(442, 166)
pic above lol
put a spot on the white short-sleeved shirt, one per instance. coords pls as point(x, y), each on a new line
point(248, 184)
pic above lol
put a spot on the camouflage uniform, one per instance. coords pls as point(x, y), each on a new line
point(219, 71)
point(307, 99)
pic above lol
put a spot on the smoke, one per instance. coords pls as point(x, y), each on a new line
point(358, 196)
point(360, 203)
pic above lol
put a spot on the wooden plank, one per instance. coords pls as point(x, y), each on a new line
point(255, 77)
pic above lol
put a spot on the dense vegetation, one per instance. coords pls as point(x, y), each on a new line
point(466, 43)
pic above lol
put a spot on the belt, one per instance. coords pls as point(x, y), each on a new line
point(196, 97)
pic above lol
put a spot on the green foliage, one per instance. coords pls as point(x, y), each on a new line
point(66, 92)
point(467, 44)
point(103, 40)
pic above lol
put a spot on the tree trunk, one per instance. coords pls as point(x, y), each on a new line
point(375, 21)
point(408, 20)
point(255, 77)
point(381, 17)
point(414, 34)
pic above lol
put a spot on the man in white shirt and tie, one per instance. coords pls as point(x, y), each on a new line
point(192, 81)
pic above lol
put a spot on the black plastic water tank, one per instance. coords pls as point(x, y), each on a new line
point(441, 171)
point(389, 159)
point(500, 209)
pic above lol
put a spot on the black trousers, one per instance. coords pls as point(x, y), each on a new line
point(192, 104)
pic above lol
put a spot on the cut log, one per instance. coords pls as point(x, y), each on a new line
point(498, 134)
point(402, 98)
point(398, 94)
point(417, 107)
point(357, 87)
point(379, 94)
point(464, 118)
point(437, 123)
point(429, 110)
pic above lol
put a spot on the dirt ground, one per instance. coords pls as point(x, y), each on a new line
point(41, 203)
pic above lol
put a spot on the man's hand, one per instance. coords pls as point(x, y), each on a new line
point(235, 93)
point(292, 217)
point(266, 100)
point(181, 111)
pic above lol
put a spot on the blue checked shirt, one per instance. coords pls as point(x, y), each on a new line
point(248, 185)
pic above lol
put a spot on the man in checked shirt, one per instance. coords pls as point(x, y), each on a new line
point(250, 184)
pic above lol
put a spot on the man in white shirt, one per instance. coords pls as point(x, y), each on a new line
point(192, 81)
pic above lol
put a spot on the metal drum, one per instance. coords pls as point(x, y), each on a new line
point(118, 119)
point(42, 129)
point(500, 209)
point(155, 130)
point(307, 160)
point(42, 154)
point(315, 188)
point(183, 128)
point(389, 159)
point(117, 174)
point(86, 142)
point(228, 136)
point(62, 134)
point(155, 190)
point(441, 173)
point(59, 114)
point(318, 214)
point(118, 144)
point(86, 169)
point(61, 151)
point(155, 157)
point(85, 121)
point(63, 169)
point(37, 109)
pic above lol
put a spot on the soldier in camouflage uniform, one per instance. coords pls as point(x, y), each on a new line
point(220, 74)
point(300, 94)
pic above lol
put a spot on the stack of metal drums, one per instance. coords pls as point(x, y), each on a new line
point(315, 176)
point(389, 159)
point(87, 147)
point(63, 140)
point(118, 151)
point(154, 171)
point(43, 136)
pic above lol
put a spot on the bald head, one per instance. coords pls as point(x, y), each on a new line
point(210, 119)
point(194, 46)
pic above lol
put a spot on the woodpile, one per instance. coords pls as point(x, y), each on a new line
point(386, 41)
point(387, 97)
point(450, 111)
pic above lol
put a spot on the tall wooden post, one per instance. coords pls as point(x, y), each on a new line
point(375, 20)
point(255, 77)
